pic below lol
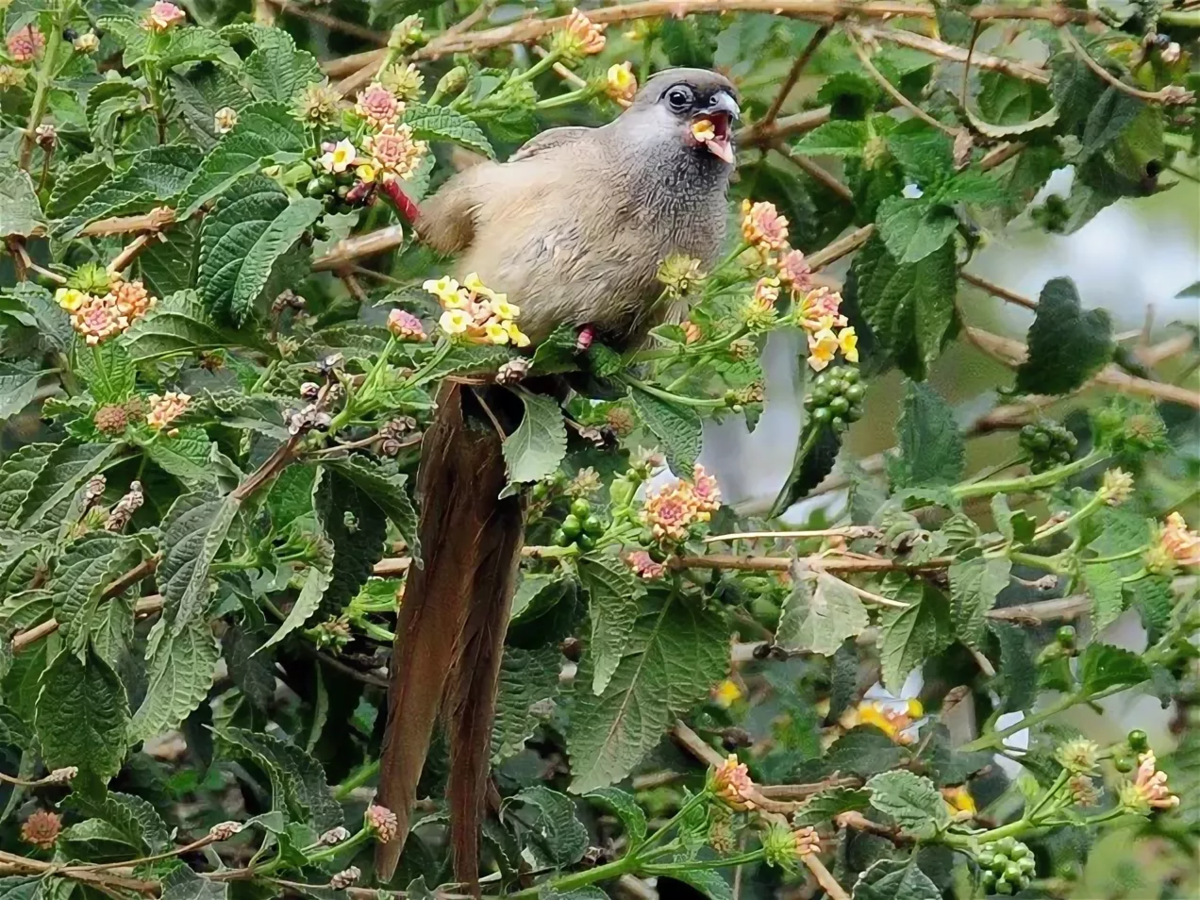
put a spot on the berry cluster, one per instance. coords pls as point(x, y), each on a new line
point(333, 189)
point(581, 526)
point(836, 398)
point(1049, 445)
point(1008, 866)
point(1125, 757)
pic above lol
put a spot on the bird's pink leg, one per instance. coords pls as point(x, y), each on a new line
point(587, 334)
point(405, 205)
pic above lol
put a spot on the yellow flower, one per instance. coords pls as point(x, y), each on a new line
point(822, 347)
point(446, 290)
point(454, 321)
point(726, 694)
point(848, 342)
point(501, 307)
point(340, 158)
point(366, 173)
point(495, 332)
point(70, 299)
point(621, 84)
point(703, 130)
point(516, 335)
point(475, 285)
point(890, 721)
point(959, 800)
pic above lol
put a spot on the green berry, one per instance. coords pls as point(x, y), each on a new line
point(821, 380)
point(593, 525)
point(572, 527)
point(1021, 851)
point(586, 543)
point(986, 860)
point(854, 393)
point(839, 424)
point(540, 491)
point(809, 402)
point(820, 395)
point(1138, 742)
point(989, 879)
point(851, 375)
point(1013, 873)
point(1123, 764)
point(1040, 441)
point(1003, 887)
point(580, 508)
point(1027, 864)
point(1006, 846)
point(1065, 637)
point(313, 189)
point(561, 539)
point(646, 537)
point(839, 405)
point(327, 182)
point(822, 414)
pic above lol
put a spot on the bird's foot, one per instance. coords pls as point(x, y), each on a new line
point(587, 334)
point(405, 205)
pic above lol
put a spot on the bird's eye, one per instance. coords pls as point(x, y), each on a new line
point(679, 97)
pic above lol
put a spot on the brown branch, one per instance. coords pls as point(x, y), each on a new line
point(1000, 155)
point(1169, 95)
point(841, 247)
point(154, 220)
point(894, 92)
point(344, 65)
point(330, 22)
point(1010, 67)
point(784, 563)
point(792, 77)
point(1061, 608)
point(997, 291)
point(25, 263)
point(816, 173)
point(368, 244)
point(122, 260)
point(788, 126)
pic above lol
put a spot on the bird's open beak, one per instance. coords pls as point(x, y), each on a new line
point(713, 127)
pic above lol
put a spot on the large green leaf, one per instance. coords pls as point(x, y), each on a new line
point(67, 468)
point(20, 212)
point(307, 603)
point(180, 673)
point(264, 132)
point(974, 585)
point(912, 800)
point(187, 455)
point(559, 838)
point(528, 681)
point(1103, 666)
point(535, 449)
point(154, 177)
point(837, 138)
point(913, 229)
point(18, 474)
point(297, 780)
point(82, 715)
point(241, 241)
point(1067, 346)
point(75, 182)
point(179, 324)
point(108, 371)
point(81, 576)
point(134, 818)
point(387, 489)
point(908, 637)
point(931, 446)
point(18, 385)
point(441, 123)
point(895, 879)
point(356, 527)
point(614, 603)
point(192, 533)
point(820, 620)
point(676, 426)
point(673, 656)
point(197, 45)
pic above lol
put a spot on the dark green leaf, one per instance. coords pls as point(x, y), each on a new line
point(82, 715)
point(825, 806)
point(20, 212)
point(82, 574)
point(528, 681)
point(307, 603)
point(614, 603)
point(181, 670)
point(1067, 346)
point(356, 527)
point(193, 531)
point(913, 229)
point(297, 780)
point(912, 800)
point(75, 182)
point(819, 621)
point(67, 468)
point(560, 838)
point(625, 807)
point(154, 177)
point(387, 490)
point(108, 371)
point(974, 585)
point(186, 455)
point(931, 446)
point(538, 445)
point(1103, 666)
point(184, 884)
point(1017, 667)
point(18, 386)
point(440, 123)
point(676, 426)
point(894, 879)
point(910, 636)
point(837, 138)
point(925, 154)
point(863, 751)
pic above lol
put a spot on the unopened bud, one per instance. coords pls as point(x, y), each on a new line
point(453, 81)
point(345, 878)
point(223, 831)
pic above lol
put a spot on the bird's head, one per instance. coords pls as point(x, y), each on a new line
point(696, 107)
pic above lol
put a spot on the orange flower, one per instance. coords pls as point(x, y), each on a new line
point(643, 566)
point(794, 271)
point(763, 227)
point(731, 784)
point(41, 829)
point(670, 511)
point(589, 37)
point(705, 492)
point(394, 152)
point(1180, 542)
point(166, 409)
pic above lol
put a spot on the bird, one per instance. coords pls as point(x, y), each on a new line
point(573, 228)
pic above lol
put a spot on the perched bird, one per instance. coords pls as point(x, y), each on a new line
point(572, 228)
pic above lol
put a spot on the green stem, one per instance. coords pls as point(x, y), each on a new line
point(356, 779)
point(537, 68)
point(1128, 554)
point(670, 868)
point(606, 872)
point(674, 820)
point(1096, 503)
point(564, 99)
point(1047, 563)
point(674, 398)
point(1028, 482)
point(42, 95)
point(996, 738)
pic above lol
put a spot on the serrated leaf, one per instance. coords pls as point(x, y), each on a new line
point(673, 657)
point(96, 839)
point(192, 534)
point(1016, 525)
point(1103, 666)
point(925, 154)
point(825, 806)
point(677, 427)
point(307, 603)
point(180, 673)
point(539, 444)
point(1102, 582)
point(841, 138)
point(111, 105)
point(973, 187)
point(168, 265)
point(82, 574)
point(18, 473)
point(614, 602)
point(913, 229)
point(195, 45)
point(912, 800)
point(298, 782)
point(625, 807)
point(386, 489)
point(252, 227)
point(908, 637)
point(20, 212)
point(136, 819)
point(356, 527)
point(264, 132)
point(810, 466)
point(561, 838)
point(974, 586)
point(129, 34)
point(67, 468)
point(820, 620)
point(82, 715)
point(186, 455)
point(177, 325)
point(894, 879)
point(931, 446)
point(17, 388)
point(1017, 666)
point(528, 679)
point(108, 371)
point(1067, 346)
point(154, 177)
point(184, 884)
point(272, 74)
point(863, 751)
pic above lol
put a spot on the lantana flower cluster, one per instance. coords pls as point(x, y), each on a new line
point(390, 154)
point(26, 44)
point(579, 37)
point(675, 507)
point(730, 783)
point(99, 317)
point(1148, 790)
point(1177, 545)
point(475, 313)
point(163, 16)
point(165, 409)
point(817, 310)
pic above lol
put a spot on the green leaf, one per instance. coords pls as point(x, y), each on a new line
point(168, 265)
point(1103, 666)
point(1017, 667)
point(819, 621)
point(1067, 346)
point(96, 839)
point(67, 468)
point(21, 887)
point(894, 879)
point(910, 308)
point(264, 132)
point(973, 187)
point(297, 780)
point(134, 818)
point(186, 455)
point(440, 123)
point(709, 882)
point(912, 800)
point(356, 527)
point(154, 177)
point(181, 671)
point(82, 574)
point(82, 715)
point(74, 183)
point(306, 604)
point(129, 34)
point(20, 212)
point(614, 603)
point(974, 585)
point(677, 426)
point(17, 388)
point(925, 154)
point(386, 489)
point(823, 807)
point(539, 444)
point(908, 637)
point(178, 325)
point(673, 657)
point(625, 807)
point(913, 229)
point(252, 227)
point(810, 466)
point(528, 680)
point(1016, 525)
point(841, 138)
point(108, 371)
point(1102, 582)
point(113, 106)
point(561, 838)
point(863, 751)
point(184, 884)
point(18, 474)
point(931, 446)
point(192, 534)
point(196, 45)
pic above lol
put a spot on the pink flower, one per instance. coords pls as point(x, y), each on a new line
point(820, 310)
point(731, 784)
point(763, 227)
point(378, 106)
point(1150, 784)
point(670, 511)
point(767, 290)
point(643, 566)
point(405, 325)
point(163, 16)
point(1180, 543)
point(394, 152)
point(26, 44)
point(705, 490)
point(794, 271)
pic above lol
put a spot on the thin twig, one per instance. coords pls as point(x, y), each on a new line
point(847, 531)
point(843, 246)
point(1166, 95)
point(816, 173)
point(784, 563)
point(156, 219)
point(1012, 68)
point(122, 260)
point(997, 291)
point(330, 22)
point(788, 126)
point(792, 77)
point(369, 244)
point(892, 91)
